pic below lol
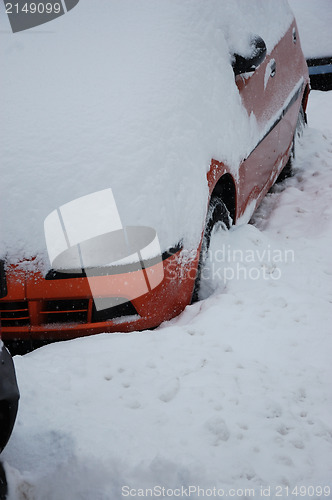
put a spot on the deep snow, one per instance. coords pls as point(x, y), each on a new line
point(233, 393)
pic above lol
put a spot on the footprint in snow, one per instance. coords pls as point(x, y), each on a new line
point(283, 430)
point(284, 460)
point(133, 404)
point(219, 430)
point(170, 390)
point(273, 410)
point(298, 443)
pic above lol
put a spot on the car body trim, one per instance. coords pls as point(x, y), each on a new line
point(292, 98)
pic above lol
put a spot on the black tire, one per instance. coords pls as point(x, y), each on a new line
point(288, 171)
point(217, 214)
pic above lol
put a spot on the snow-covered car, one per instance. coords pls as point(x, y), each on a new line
point(314, 20)
point(184, 112)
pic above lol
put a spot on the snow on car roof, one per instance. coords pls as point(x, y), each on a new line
point(133, 96)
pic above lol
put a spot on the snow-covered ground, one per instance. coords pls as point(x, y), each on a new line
point(234, 394)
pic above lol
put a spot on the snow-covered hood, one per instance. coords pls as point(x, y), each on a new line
point(133, 96)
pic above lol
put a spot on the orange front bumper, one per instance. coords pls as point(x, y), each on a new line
point(59, 309)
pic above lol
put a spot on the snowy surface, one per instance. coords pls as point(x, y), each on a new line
point(133, 96)
point(314, 20)
point(234, 393)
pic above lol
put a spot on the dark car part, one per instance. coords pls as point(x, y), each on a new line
point(242, 64)
point(287, 171)
point(217, 214)
point(3, 483)
point(9, 396)
point(320, 72)
point(3, 282)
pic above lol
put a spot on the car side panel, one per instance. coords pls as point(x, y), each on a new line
point(275, 101)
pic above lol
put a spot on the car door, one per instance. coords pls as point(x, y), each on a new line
point(272, 93)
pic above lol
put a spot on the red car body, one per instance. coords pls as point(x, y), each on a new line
point(33, 307)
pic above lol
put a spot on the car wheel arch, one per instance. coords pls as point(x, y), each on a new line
point(224, 194)
point(225, 190)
